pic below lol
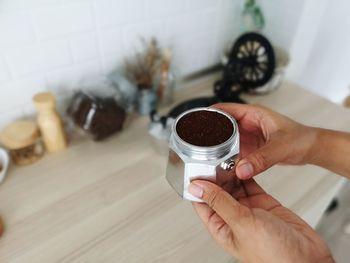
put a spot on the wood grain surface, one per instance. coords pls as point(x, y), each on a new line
point(110, 202)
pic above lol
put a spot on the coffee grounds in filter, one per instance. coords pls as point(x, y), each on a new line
point(204, 128)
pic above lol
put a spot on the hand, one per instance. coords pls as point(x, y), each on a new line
point(268, 138)
point(255, 227)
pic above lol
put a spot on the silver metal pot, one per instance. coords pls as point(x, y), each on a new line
point(188, 162)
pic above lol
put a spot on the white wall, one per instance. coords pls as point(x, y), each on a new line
point(52, 44)
point(316, 34)
point(321, 54)
point(282, 20)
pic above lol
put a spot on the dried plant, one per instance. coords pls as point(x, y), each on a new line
point(142, 68)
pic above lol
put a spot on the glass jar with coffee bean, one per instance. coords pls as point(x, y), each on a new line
point(97, 112)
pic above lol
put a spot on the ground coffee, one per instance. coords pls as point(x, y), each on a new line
point(204, 128)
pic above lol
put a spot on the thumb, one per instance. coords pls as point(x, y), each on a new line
point(261, 159)
point(229, 209)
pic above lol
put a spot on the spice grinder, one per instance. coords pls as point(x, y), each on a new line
point(204, 144)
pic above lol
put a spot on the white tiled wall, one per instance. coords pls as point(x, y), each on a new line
point(53, 44)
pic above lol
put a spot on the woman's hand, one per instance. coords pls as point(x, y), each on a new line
point(268, 138)
point(255, 227)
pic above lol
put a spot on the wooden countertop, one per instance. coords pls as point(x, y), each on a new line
point(110, 202)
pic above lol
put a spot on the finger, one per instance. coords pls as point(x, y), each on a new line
point(231, 211)
point(204, 211)
point(237, 110)
point(209, 217)
point(216, 226)
point(256, 197)
point(252, 188)
point(263, 158)
point(249, 188)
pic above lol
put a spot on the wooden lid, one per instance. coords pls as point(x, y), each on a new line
point(44, 100)
point(19, 134)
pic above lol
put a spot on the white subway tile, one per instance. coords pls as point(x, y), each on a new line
point(111, 42)
point(58, 21)
point(84, 47)
point(133, 37)
point(209, 52)
point(20, 92)
point(156, 28)
point(29, 111)
point(186, 65)
point(11, 5)
point(164, 8)
point(64, 80)
point(183, 25)
point(194, 5)
point(15, 30)
point(209, 19)
point(135, 34)
point(113, 63)
point(116, 12)
point(186, 54)
point(226, 38)
point(38, 58)
point(229, 23)
point(5, 74)
point(190, 57)
point(231, 13)
point(75, 1)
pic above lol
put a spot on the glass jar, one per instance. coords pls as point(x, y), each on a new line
point(146, 101)
point(204, 144)
point(97, 113)
point(22, 140)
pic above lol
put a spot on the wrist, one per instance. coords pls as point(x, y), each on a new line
point(314, 150)
point(330, 150)
point(321, 150)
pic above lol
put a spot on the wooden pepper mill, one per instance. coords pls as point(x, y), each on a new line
point(49, 122)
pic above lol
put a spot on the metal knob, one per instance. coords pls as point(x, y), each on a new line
point(230, 163)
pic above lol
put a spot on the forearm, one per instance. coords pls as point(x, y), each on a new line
point(331, 150)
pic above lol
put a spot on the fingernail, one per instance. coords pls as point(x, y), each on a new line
point(244, 170)
point(195, 190)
